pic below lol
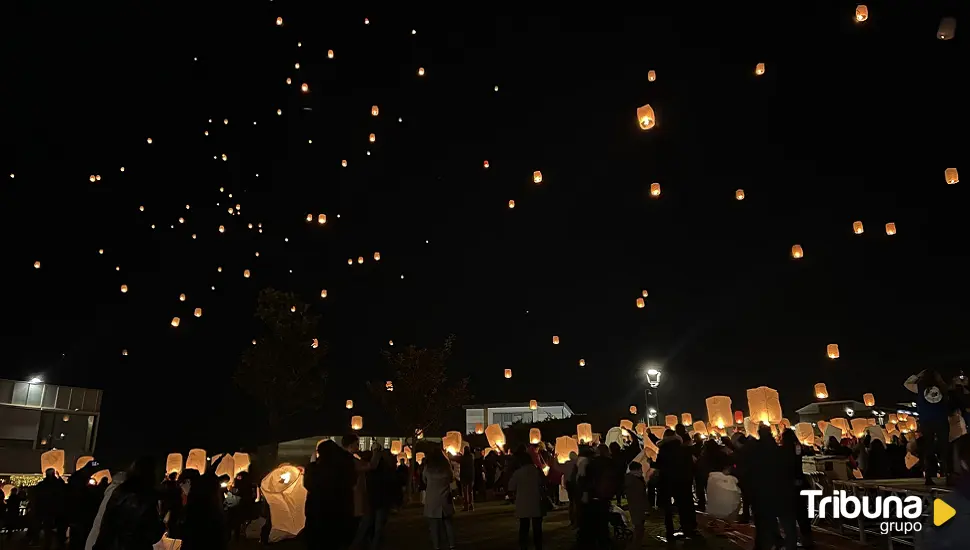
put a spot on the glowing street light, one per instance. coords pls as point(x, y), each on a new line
point(35, 380)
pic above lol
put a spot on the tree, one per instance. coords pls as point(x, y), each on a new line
point(283, 370)
point(422, 391)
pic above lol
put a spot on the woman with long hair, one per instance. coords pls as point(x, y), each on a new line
point(438, 505)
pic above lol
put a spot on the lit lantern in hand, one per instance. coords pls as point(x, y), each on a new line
point(719, 411)
point(861, 13)
point(701, 428)
point(173, 463)
point(738, 417)
point(832, 350)
point(584, 432)
point(869, 399)
point(646, 117)
point(670, 421)
point(842, 424)
point(396, 447)
point(686, 419)
point(951, 176)
point(821, 391)
point(564, 446)
point(892, 418)
point(356, 423)
point(805, 433)
point(451, 443)
point(196, 460)
point(858, 426)
point(641, 429)
point(495, 436)
point(764, 405)
point(479, 428)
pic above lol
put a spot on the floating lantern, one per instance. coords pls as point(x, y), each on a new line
point(759, 69)
point(582, 362)
point(508, 373)
point(584, 432)
point(396, 447)
point(555, 340)
point(53, 459)
point(91, 178)
point(176, 321)
point(857, 228)
point(537, 176)
point(37, 265)
point(389, 386)
point(686, 419)
point(535, 436)
point(124, 352)
point(701, 428)
point(797, 252)
point(861, 13)
point(719, 411)
point(947, 28)
point(420, 71)
point(511, 204)
point(305, 87)
point(486, 164)
point(495, 435)
point(479, 428)
point(322, 219)
point(842, 424)
point(343, 163)
point(279, 21)
point(671, 421)
point(419, 457)
point(739, 194)
point(533, 404)
point(738, 417)
point(646, 117)
point(633, 409)
point(222, 229)
point(323, 293)
point(349, 404)
point(198, 312)
point(858, 426)
point(149, 141)
point(181, 297)
point(196, 460)
point(890, 228)
point(893, 419)
point(640, 303)
point(951, 176)
point(124, 289)
point(764, 405)
point(869, 399)
point(377, 256)
point(360, 259)
point(279, 111)
point(805, 433)
point(654, 190)
point(246, 273)
point(644, 293)
point(173, 463)
point(626, 426)
point(374, 110)
point(372, 138)
point(288, 82)
point(821, 391)
point(356, 423)
point(651, 75)
point(564, 446)
point(832, 350)
point(296, 66)
point(350, 261)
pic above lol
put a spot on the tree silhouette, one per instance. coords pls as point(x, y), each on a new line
point(283, 370)
point(422, 391)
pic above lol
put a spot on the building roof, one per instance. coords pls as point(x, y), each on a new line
point(520, 404)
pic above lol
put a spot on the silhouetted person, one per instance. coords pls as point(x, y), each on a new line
point(131, 520)
point(527, 482)
point(49, 508)
point(11, 513)
point(792, 452)
point(768, 474)
point(205, 521)
point(675, 464)
point(83, 501)
point(329, 482)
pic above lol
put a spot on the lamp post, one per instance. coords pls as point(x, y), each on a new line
point(653, 386)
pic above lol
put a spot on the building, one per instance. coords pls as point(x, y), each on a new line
point(37, 417)
point(302, 451)
point(826, 410)
point(506, 414)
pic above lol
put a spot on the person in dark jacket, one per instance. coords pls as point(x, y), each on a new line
point(700, 476)
point(878, 466)
point(205, 525)
point(11, 515)
point(83, 502)
point(769, 476)
point(49, 509)
point(596, 488)
point(933, 407)
point(792, 451)
point(674, 467)
point(131, 520)
point(330, 497)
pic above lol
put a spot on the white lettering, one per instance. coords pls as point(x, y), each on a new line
point(811, 502)
point(913, 507)
point(886, 505)
point(854, 501)
point(871, 513)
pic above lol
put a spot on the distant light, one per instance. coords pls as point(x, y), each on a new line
point(366, 21)
point(399, 119)
point(653, 372)
point(496, 88)
point(36, 380)
point(414, 31)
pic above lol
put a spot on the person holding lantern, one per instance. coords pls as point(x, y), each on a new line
point(933, 408)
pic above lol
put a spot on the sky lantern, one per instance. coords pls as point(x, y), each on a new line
point(947, 28)
point(149, 141)
point(582, 362)
point(296, 66)
point(495, 435)
point(892, 418)
point(322, 219)
point(279, 21)
point(764, 405)
point(584, 432)
point(671, 421)
point(343, 163)
point(396, 447)
point(305, 87)
point(654, 190)
point(902, 416)
point(646, 117)
point(372, 138)
point(124, 352)
point(951, 176)
point(485, 164)
point(535, 436)
point(869, 399)
point(857, 228)
point(479, 428)
point(309, 217)
point(389, 385)
point(323, 293)
point(176, 321)
point(511, 204)
point(821, 391)
point(377, 256)
point(374, 110)
point(861, 13)
point(533, 404)
point(181, 297)
point(246, 273)
point(124, 289)
point(719, 411)
point(198, 312)
point(555, 340)
point(651, 75)
point(701, 428)
point(890, 228)
point(797, 252)
point(360, 259)
point(564, 446)
point(644, 293)
point(91, 178)
point(222, 229)
point(224, 157)
point(633, 409)
point(686, 419)
point(858, 427)
point(356, 423)
point(832, 350)
point(641, 429)
point(420, 71)
point(329, 54)
point(508, 373)
point(349, 404)
point(537, 176)
point(738, 417)
point(640, 303)
point(350, 261)
point(288, 82)
point(315, 343)
point(739, 194)
point(279, 111)
point(759, 69)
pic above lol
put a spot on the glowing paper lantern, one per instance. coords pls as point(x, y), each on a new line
point(173, 463)
point(246, 273)
point(242, 463)
point(952, 176)
point(377, 256)
point(176, 321)
point(582, 362)
point(537, 176)
point(285, 494)
point(511, 204)
point(821, 391)
point(495, 436)
point(124, 289)
point(797, 252)
point(343, 163)
point(869, 399)
point(641, 429)
point(686, 419)
point(96, 477)
point(356, 423)
point(555, 340)
point(764, 405)
point(719, 411)
point(658, 431)
point(633, 409)
point(374, 110)
point(700, 428)
point(535, 436)
point(646, 117)
point(479, 428)
point(329, 54)
point(37, 265)
point(584, 433)
point(564, 446)
point(832, 350)
point(82, 462)
point(890, 228)
point(784, 424)
point(893, 419)
point(947, 29)
point(305, 87)
point(626, 426)
point(739, 194)
point(420, 71)
point(644, 293)
point(651, 75)
point(654, 190)
point(222, 229)
point(857, 228)
point(842, 424)
point(322, 219)
point(859, 426)
point(751, 427)
point(805, 433)
point(640, 303)
point(198, 312)
point(181, 297)
point(861, 13)
point(508, 373)
point(759, 69)
point(349, 404)
point(451, 443)
point(360, 259)
point(279, 21)
point(396, 447)
point(533, 404)
point(902, 417)
point(670, 421)
point(227, 466)
point(196, 460)
point(372, 138)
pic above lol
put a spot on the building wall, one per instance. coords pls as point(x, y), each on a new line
point(506, 416)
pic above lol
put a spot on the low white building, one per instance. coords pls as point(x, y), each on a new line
point(506, 414)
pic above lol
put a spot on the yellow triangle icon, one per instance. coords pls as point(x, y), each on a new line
point(942, 512)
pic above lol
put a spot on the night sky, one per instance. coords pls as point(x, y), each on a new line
point(851, 121)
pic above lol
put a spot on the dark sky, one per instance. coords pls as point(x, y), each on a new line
point(849, 122)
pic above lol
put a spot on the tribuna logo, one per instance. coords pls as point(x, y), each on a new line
point(906, 511)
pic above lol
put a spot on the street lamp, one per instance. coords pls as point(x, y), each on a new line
point(35, 380)
point(653, 386)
